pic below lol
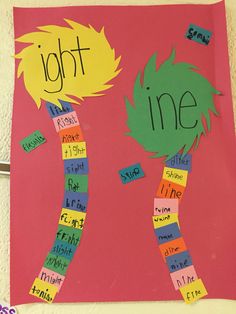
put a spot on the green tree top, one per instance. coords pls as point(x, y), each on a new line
point(169, 106)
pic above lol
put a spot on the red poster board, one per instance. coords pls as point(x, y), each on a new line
point(118, 258)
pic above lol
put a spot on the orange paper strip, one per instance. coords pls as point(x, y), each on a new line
point(71, 135)
point(173, 247)
point(169, 189)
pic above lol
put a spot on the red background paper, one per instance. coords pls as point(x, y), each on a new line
point(118, 258)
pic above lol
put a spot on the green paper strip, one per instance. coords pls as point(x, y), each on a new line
point(32, 141)
point(76, 183)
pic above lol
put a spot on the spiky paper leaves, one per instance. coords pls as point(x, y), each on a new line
point(87, 74)
point(169, 105)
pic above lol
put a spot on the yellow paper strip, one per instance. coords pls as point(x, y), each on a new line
point(72, 218)
point(74, 150)
point(164, 220)
point(193, 292)
point(43, 290)
point(177, 176)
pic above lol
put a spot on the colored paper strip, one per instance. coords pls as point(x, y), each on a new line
point(65, 121)
point(131, 173)
point(71, 135)
point(193, 291)
point(183, 277)
point(69, 235)
point(172, 247)
point(74, 150)
point(32, 141)
point(163, 220)
point(76, 201)
point(76, 183)
point(180, 162)
point(164, 206)
point(63, 249)
point(72, 218)
point(178, 261)
point(167, 233)
point(169, 189)
point(76, 166)
point(56, 263)
point(51, 277)
point(177, 176)
point(55, 111)
point(43, 290)
point(198, 34)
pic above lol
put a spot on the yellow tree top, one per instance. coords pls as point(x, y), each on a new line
point(61, 62)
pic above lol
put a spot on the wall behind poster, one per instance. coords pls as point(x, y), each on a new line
point(6, 92)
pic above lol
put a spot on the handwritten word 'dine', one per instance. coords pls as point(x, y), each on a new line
point(53, 64)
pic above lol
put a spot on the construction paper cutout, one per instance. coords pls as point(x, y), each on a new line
point(167, 233)
point(85, 70)
point(69, 235)
point(168, 107)
point(76, 166)
point(43, 290)
point(193, 291)
point(51, 277)
point(178, 261)
point(172, 247)
point(164, 206)
point(198, 34)
point(169, 189)
point(180, 162)
point(72, 218)
point(32, 141)
point(221, 149)
point(177, 176)
point(71, 135)
point(163, 220)
point(55, 111)
point(74, 150)
point(76, 201)
point(65, 121)
point(61, 248)
point(183, 277)
point(56, 263)
point(76, 183)
point(131, 173)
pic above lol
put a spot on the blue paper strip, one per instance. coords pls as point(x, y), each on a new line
point(180, 162)
point(198, 34)
point(75, 201)
point(179, 261)
point(131, 173)
point(55, 111)
point(76, 166)
point(61, 248)
point(167, 233)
